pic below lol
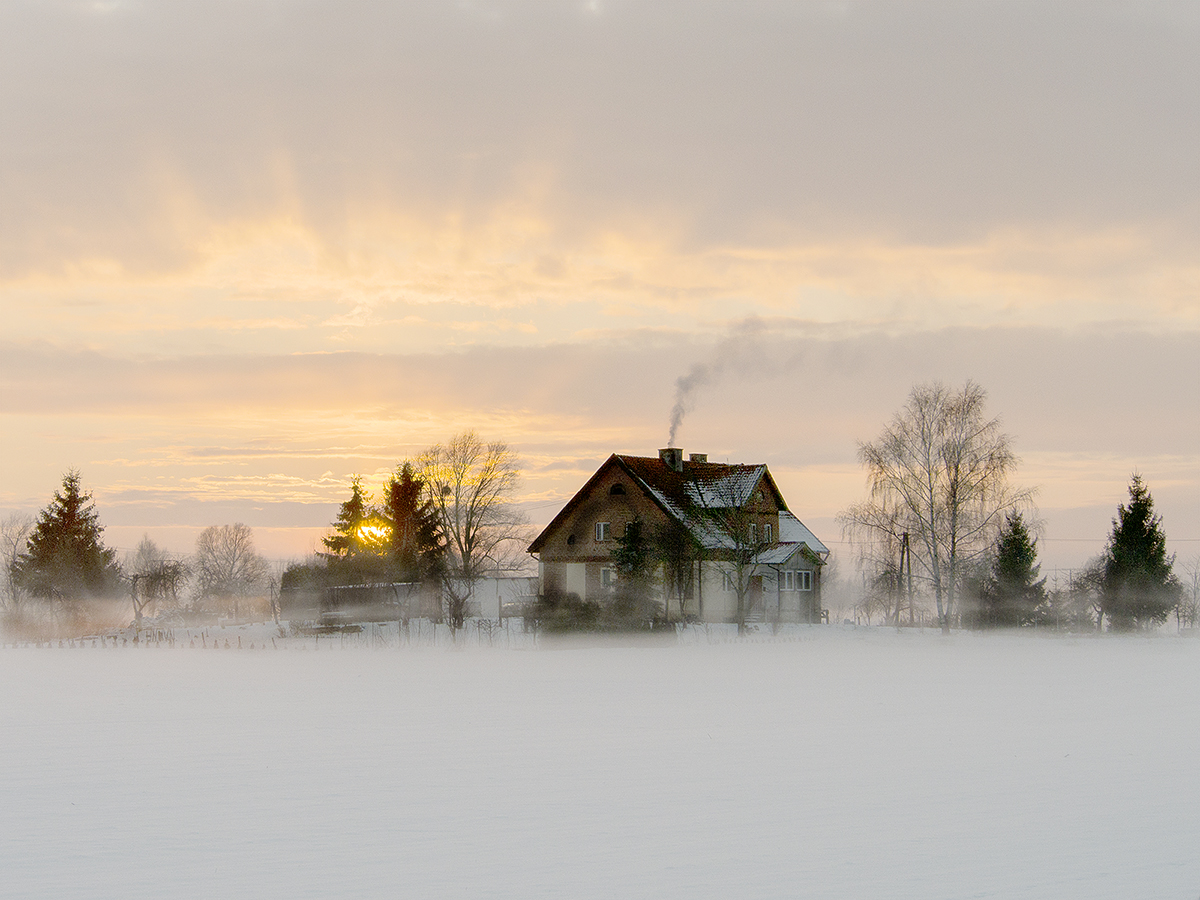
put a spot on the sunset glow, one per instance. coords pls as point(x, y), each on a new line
point(249, 252)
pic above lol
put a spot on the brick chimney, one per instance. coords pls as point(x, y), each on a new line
point(672, 458)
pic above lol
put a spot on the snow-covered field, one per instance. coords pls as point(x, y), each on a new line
point(837, 764)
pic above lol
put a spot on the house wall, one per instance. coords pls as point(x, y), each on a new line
point(576, 566)
point(720, 605)
point(779, 604)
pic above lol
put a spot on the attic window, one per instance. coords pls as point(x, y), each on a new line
point(603, 529)
point(570, 540)
point(617, 489)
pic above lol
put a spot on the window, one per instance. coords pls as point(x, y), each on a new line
point(570, 540)
point(753, 533)
point(603, 530)
point(767, 532)
point(804, 581)
point(787, 581)
point(617, 489)
point(608, 577)
point(727, 582)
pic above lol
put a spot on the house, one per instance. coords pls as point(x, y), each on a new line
point(726, 545)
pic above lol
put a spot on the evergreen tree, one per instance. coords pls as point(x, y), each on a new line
point(66, 560)
point(633, 605)
point(1139, 589)
point(1012, 592)
point(632, 556)
point(354, 513)
point(414, 543)
point(358, 545)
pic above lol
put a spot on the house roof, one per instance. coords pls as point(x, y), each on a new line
point(793, 531)
point(702, 485)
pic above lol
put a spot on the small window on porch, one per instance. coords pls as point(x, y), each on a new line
point(804, 581)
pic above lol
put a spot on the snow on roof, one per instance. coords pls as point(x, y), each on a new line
point(724, 489)
point(793, 531)
point(703, 487)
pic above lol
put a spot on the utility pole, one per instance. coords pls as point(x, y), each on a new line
point(906, 563)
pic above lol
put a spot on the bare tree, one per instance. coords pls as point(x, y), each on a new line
point(471, 486)
point(14, 538)
point(155, 578)
point(877, 531)
point(940, 473)
point(734, 518)
point(1188, 609)
point(226, 566)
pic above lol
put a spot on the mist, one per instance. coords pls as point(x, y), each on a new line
point(836, 764)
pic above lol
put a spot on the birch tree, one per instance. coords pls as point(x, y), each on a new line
point(940, 472)
point(14, 537)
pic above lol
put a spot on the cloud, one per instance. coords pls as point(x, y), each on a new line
point(246, 239)
point(137, 140)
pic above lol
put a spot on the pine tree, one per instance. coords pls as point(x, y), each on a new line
point(353, 514)
point(414, 547)
point(1012, 592)
point(66, 560)
point(1139, 589)
point(358, 545)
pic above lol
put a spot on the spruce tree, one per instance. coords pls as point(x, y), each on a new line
point(415, 547)
point(1139, 589)
point(358, 545)
point(1012, 592)
point(352, 515)
point(65, 559)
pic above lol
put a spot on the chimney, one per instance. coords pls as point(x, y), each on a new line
point(672, 458)
point(698, 457)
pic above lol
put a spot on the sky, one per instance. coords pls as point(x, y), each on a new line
point(251, 249)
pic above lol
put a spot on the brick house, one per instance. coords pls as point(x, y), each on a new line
point(739, 528)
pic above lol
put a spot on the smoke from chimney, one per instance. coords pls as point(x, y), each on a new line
point(743, 343)
point(685, 387)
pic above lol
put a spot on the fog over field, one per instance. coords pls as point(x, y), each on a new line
point(837, 763)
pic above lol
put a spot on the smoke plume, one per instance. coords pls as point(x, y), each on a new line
point(743, 343)
point(699, 376)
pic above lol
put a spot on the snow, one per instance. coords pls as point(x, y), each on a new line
point(834, 763)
